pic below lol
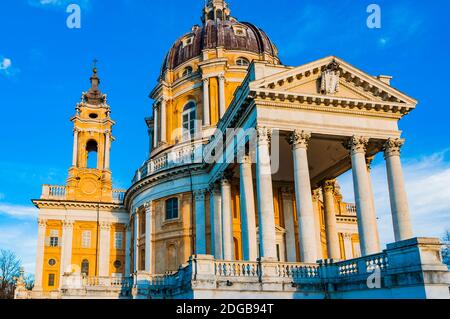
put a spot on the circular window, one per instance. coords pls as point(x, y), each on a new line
point(117, 264)
point(52, 262)
point(93, 115)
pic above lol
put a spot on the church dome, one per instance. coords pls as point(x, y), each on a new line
point(219, 29)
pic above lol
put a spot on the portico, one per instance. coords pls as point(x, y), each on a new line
point(323, 144)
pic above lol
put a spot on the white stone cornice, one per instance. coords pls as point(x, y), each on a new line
point(333, 101)
point(67, 204)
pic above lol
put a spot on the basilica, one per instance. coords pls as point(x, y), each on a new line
point(239, 197)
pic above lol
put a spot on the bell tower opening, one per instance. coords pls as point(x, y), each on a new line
point(92, 154)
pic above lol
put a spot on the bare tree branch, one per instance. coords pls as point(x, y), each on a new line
point(9, 272)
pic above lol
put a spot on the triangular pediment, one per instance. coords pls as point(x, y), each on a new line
point(332, 78)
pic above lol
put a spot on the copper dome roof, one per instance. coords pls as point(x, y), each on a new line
point(218, 33)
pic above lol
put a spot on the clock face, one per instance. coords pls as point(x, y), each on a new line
point(88, 186)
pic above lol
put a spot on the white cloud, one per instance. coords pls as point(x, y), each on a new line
point(18, 211)
point(428, 192)
point(6, 67)
point(5, 64)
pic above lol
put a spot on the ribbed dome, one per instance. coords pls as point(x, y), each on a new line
point(218, 33)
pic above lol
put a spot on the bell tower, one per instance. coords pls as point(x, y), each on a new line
point(90, 177)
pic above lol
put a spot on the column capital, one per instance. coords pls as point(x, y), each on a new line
point(225, 178)
point(393, 147)
point(105, 225)
point(299, 139)
point(200, 194)
point(42, 222)
point(264, 134)
point(68, 224)
point(205, 80)
point(214, 188)
point(148, 207)
point(369, 161)
point(221, 77)
point(348, 236)
point(357, 144)
point(246, 160)
point(316, 194)
point(329, 185)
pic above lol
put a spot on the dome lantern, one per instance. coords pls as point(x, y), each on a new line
point(216, 10)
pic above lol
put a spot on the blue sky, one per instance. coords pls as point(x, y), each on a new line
point(44, 67)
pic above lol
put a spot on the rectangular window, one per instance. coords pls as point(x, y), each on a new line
point(54, 238)
point(118, 240)
point(86, 239)
point(51, 280)
point(172, 209)
point(142, 222)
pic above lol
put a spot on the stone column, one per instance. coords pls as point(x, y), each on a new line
point(163, 120)
point(248, 216)
point(267, 232)
point(66, 247)
point(334, 251)
point(227, 221)
point(136, 240)
point(107, 149)
point(399, 200)
point(104, 249)
point(289, 223)
point(155, 130)
point(128, 251)
point(216, 221)
point(369, 161)
point(367, 222)
point(305, 212)
point(148, 237)
point(222, 106)
point(316, 206)
point(75, 148)
point(206, 103)
point(200, 222)
point(348, 246)
point(151, 140)
point(40, 254)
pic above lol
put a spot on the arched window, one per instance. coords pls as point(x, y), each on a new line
point(85, 267)
point(172, 209)
point(242, 62)
point(219, 14)
point(189, 117)
point(188, 71)
point(91, 150)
